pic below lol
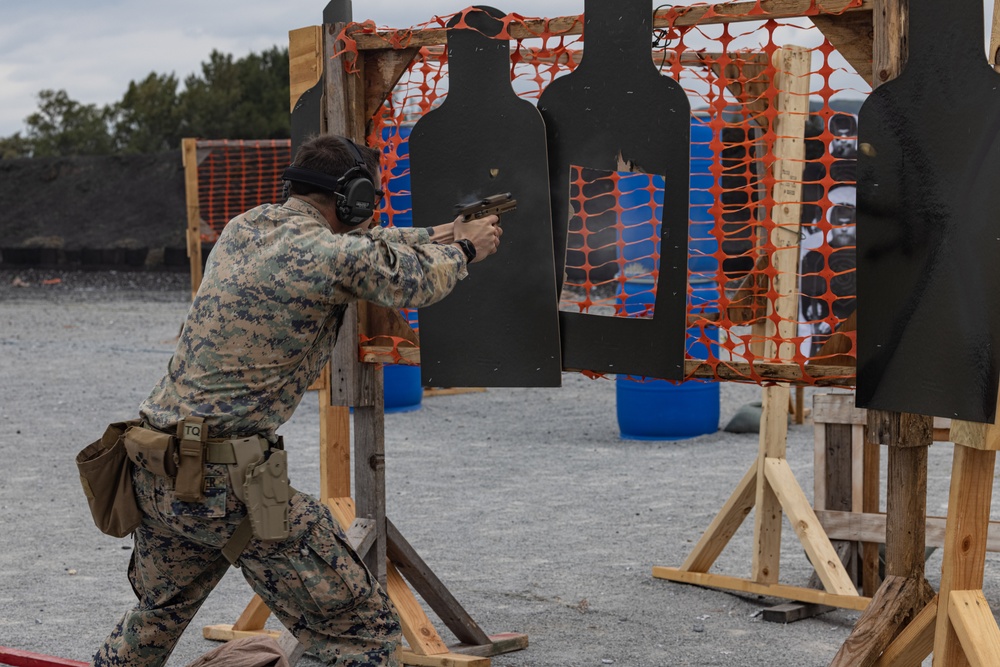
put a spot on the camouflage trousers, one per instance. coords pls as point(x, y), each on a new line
point(313, 582)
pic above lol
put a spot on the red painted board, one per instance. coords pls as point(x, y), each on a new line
point(11, 656)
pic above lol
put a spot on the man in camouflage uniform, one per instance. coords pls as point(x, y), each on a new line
point(259, 332)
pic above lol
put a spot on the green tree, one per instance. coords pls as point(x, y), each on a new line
point(238, 99)
point(63, 126)
point(14, 146)
point(245, 98)
point(147, 119)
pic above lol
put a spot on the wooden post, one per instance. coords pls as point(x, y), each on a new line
point(838, 474)
point(189, 152)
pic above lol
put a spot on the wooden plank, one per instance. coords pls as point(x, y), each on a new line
point(870, 575)
point(852, 35)
point(792, 65)
point(225, 633)
point(839, 467)
point(870, 527)
point(432, 590)
point(11, 656)
point(724, 525)
point(914, 643)
point(305, 61)
point(254, 616)
point(898, 600)
point(970, 614)
point(334, 449)
point(443, 660)
point(417, 628)
point(430, 392)
point(855, 602)
point(975, 434)
point(857, 467)
point(503, 642)
point(383, 70)
point(189, 152)
point(900, 429)
point(889, 45)
point(837, 409)
point(790, 612)
point(995, 38)
point(345, 103)
point(906, 511)
point(965, 542)
point(821, 553)
point(768, 515)
point(361, 535)
point(791, 105)
point(819, 465)
point(729, 12)
point(369, 468)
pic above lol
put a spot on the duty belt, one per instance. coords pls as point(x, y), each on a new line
point(259, 476)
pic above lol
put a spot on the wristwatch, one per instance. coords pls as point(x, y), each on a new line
point(468, 248)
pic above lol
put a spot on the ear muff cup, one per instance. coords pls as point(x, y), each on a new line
point(355, 197)
point(355, 191)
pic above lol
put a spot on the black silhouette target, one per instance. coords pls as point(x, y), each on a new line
point(617, 109)
point(500, 326)
point(929, 224)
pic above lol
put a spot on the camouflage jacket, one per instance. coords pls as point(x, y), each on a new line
point(265, 318)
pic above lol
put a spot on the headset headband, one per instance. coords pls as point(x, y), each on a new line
point(326, 181)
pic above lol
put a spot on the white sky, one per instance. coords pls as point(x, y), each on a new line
point(93, 48)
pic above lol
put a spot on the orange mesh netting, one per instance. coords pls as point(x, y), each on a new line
point(235, 175)
point(738, 319)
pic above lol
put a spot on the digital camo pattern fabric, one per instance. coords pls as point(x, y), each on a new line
point(313, 581)
point(268, 310)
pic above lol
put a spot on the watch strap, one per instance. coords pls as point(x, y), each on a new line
point(468, 248)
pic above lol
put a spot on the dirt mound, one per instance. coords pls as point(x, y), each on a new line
point(93, 211)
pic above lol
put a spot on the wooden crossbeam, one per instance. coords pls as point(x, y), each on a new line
point(728, 12)
point(802, 594)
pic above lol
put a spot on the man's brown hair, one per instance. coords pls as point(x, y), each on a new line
point(331, 155)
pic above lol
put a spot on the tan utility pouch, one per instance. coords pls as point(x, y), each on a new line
point(266, 494)
point(190, 482)
point(152, 450)
point(106, 476)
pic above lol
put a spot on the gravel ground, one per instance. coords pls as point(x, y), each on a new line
point(525, 502)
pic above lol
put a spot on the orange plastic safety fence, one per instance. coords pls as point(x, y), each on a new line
point(235, 175)
point(736, 314)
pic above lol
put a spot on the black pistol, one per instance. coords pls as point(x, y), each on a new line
point(495, 205)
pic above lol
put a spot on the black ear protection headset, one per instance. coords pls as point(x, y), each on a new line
point(355, 191)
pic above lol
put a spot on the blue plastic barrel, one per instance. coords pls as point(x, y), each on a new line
point(651, 409)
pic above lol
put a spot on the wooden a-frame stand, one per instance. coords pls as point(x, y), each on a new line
point(347, 101)
point(769, 485)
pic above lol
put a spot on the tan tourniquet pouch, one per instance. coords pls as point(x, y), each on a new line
point(152, 450)
point(106, 476)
